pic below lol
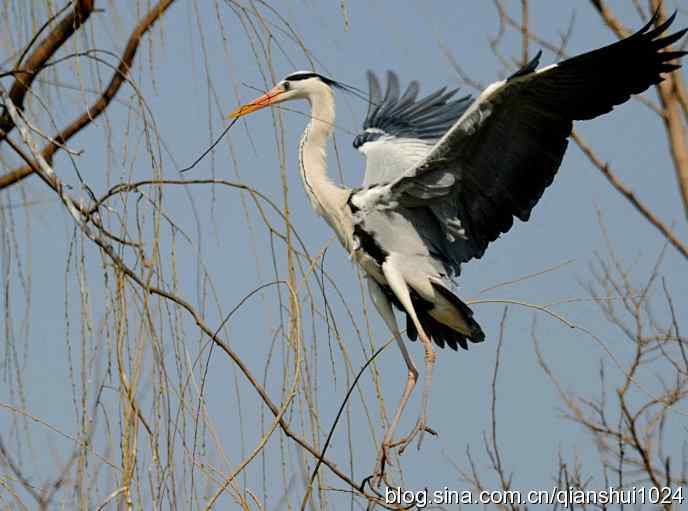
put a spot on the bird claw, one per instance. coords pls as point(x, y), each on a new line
point(420, 428)
point(367, 482)
point(379, 474)
point(374, 480)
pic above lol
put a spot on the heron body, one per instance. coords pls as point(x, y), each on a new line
point(402, 238)
point(445, 177)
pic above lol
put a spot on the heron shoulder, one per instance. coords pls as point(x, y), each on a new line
point(372, 197)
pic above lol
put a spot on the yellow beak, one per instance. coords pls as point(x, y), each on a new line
point(258, 103)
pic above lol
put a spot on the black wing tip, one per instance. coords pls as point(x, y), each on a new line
point(653, 20)
point(631, 65)
point(528, 68)
point(665, 41)
point(661, 43)
point(652, 33)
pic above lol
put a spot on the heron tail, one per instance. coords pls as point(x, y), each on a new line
point(452, 331)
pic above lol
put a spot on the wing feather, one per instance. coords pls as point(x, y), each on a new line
point(498, 158)
point(400, 129)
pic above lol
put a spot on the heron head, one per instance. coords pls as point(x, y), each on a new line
point(298, 85)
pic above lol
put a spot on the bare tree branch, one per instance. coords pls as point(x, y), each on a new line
point(101, 104)
point(49, 176)
point(25, 75)
point(673, 97)
point(630, 196)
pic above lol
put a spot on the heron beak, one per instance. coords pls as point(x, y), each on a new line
point(258, 103)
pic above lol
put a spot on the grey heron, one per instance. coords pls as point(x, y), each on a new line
point(445, 177)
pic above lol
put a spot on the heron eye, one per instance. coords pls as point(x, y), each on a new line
point(287, 86)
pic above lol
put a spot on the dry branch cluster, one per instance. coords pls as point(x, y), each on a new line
point(631, 416)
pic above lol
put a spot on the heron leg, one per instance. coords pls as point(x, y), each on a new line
point(396, 281)
point(384, 307)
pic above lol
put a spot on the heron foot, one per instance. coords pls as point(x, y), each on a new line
point(419, 430)
point(383, 457)
point(378, 476)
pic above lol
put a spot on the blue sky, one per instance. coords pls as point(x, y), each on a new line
point(236, 253)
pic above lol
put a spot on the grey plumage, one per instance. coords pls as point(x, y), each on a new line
point(403, 126)
point(444, 179)
point(496, 161)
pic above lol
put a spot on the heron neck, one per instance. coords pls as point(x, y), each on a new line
point(326, 197)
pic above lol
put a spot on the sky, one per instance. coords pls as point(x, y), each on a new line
point(202, 41)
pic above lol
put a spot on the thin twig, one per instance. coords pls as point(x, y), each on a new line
point(630, 196)
point(45, 50)
point(118, 78)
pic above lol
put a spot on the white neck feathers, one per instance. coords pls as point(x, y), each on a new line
point(312, 151)
point(327, 198)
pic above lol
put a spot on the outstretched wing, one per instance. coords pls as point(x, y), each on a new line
point(400, 130)
point(497, 160)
